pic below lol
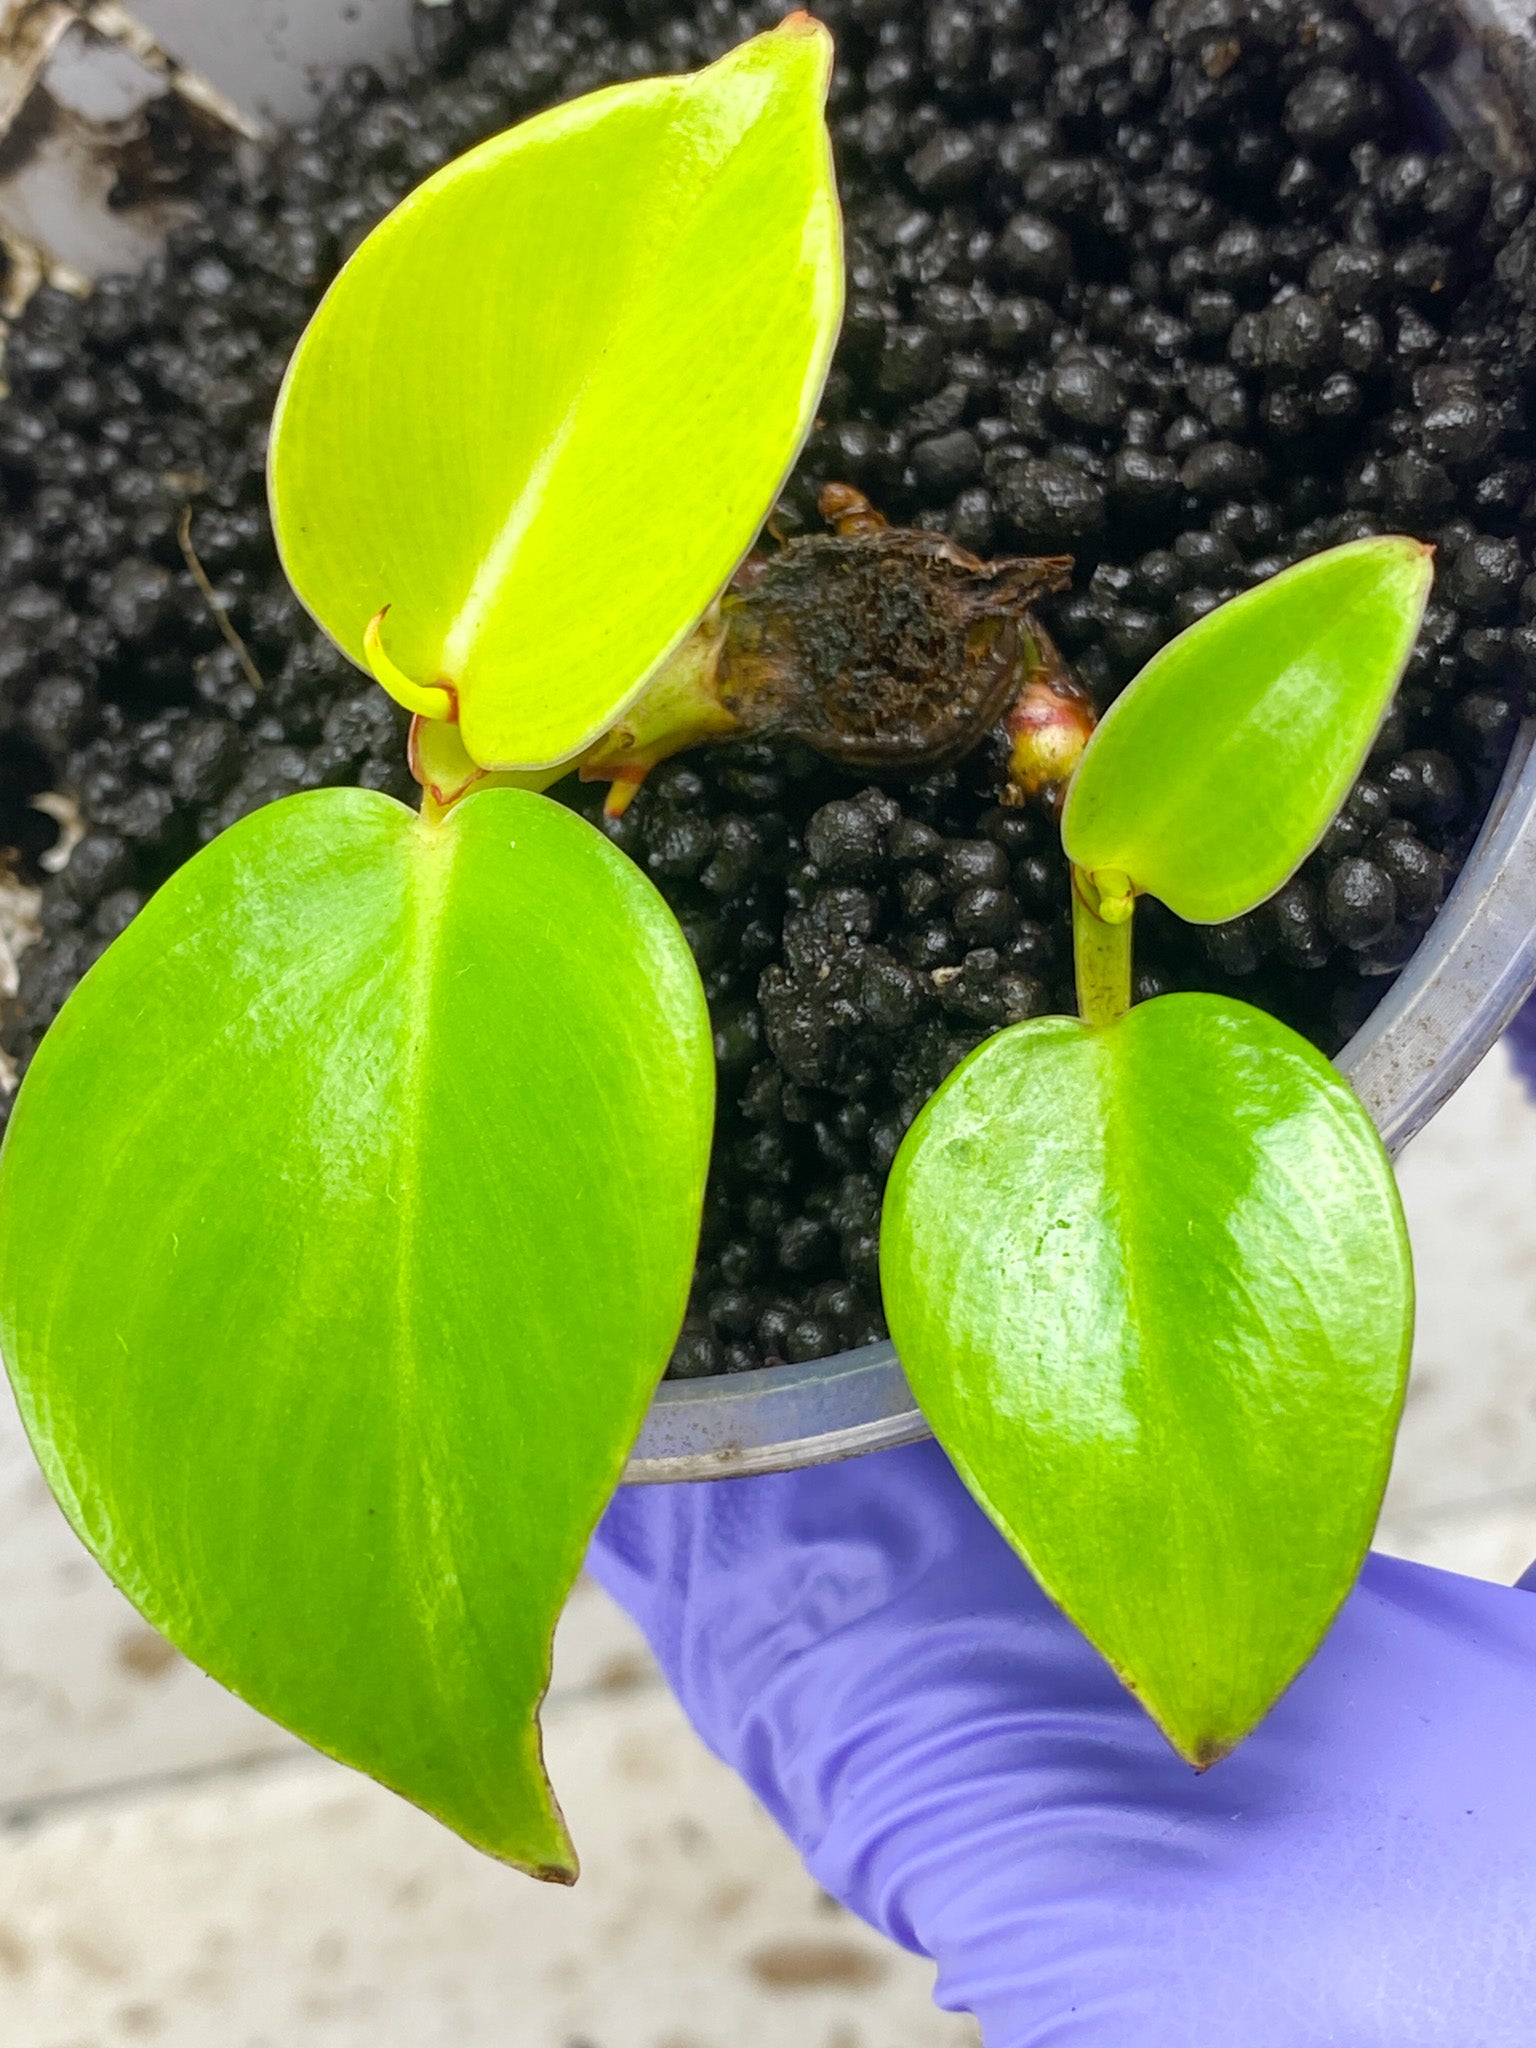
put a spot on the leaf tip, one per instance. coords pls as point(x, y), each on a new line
point(1201, 1754)
point(1423, 557)
point(803, 23)
point(1200, 1743)
point(1401, 553)
point(803, 27)
point(1418, 554)
point(1412, 571)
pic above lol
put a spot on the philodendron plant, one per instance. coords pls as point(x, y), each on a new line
point(348, 1211)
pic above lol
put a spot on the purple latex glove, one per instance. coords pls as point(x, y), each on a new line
point(1521, 1039)
point(956, 1764)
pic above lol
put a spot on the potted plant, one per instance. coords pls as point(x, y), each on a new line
point(348, 1213)
point(136, 419)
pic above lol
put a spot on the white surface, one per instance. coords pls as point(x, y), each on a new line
point(177, 1872)
point(1463, 1491)
point(265, 53)
point(99, 80)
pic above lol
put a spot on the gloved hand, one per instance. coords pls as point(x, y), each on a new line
point(955, 1763)
point(1521, 1040)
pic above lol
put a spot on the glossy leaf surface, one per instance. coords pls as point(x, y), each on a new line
point(1151, 1287)
point(544, 408)
point(1219, 768)
point(347, 1217)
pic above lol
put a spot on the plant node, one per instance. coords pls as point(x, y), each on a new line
point(678, 708)
point(441, 763)
point(1112, 893)
point(1048, 725)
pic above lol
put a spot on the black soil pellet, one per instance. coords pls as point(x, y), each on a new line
point(1187, 291)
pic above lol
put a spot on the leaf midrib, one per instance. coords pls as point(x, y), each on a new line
point(431, 852)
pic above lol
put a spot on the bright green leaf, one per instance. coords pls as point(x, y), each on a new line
point(542, 411)
point(347, 1218)
point(1217, 771)
point(1151, 1286)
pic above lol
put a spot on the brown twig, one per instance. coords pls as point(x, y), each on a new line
point(222, 619)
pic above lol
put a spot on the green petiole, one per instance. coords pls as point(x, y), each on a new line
point(1102, 920)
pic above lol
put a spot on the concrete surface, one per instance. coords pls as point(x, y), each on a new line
point(175, 1872)
point(298, 1904)
point(1463, 1490)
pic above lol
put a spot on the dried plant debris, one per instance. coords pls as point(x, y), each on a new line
point(887, 650)
point(1178, 293)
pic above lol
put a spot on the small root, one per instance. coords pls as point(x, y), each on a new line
point(221, 618)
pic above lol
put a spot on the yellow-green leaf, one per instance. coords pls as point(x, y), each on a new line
point(1151, 1286)
point(1218, 769)
point(543, 410)
point(347, 1219)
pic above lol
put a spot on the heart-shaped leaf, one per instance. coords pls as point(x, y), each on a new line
point(1151, 1286)
point(542, 411)
point(347, 1217)
point(1217, 771)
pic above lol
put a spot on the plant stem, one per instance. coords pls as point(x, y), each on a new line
point(1101, 954)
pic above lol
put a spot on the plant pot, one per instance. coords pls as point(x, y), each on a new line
point(1443, 1013)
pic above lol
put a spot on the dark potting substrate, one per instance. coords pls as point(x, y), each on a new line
point(1178, 293)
